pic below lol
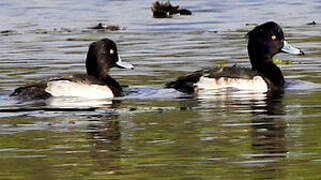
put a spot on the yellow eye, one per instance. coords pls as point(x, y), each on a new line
point(111, 51)
point(273, 37)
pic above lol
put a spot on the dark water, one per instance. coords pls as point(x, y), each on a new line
point(156, 133)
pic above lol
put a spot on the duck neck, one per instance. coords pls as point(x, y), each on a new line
point(94, 69)
point(264, 65)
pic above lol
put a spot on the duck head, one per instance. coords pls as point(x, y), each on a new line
point(265, 41)
point(103, 55)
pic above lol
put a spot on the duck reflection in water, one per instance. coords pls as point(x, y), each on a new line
point(269, 129)
point(268, 137)
point(105, 139)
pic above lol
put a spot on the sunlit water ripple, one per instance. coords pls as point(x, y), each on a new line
point(156, 132)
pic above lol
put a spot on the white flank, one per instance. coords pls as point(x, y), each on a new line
point(77, 89)
point(256, 84)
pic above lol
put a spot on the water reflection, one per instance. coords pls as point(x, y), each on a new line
point(266, 119)
point(223, 135)
point(241, 101)
point(74, 102)
point(268, 137)
point(15, 105)
point(105, 141)
point(268, 129)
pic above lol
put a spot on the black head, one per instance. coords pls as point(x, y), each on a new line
point(103, 55)
point(265, 41)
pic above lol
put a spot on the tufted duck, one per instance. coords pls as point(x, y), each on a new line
point(96, 84)
point(264, 41)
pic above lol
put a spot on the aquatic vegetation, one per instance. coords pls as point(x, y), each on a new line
point(312, 23)
point(166, 10)
point(282, 61)
point(110, 27)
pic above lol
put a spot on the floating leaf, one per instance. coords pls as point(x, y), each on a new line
point(280, 61)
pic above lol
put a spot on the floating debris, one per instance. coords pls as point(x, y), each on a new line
point(166, 10)
point(42, 31)
point(98, 110)
point(84, 38)
point(283, 62)
point(8, 32)
point(52, 31)
point(312, 23)
point(251, 24)
point(111, 27)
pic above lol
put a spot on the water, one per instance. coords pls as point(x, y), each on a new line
point(155, 133)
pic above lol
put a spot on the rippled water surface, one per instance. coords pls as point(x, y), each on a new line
point(156, 133)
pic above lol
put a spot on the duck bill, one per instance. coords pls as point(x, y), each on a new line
point(124, 65)
point(288, 48)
